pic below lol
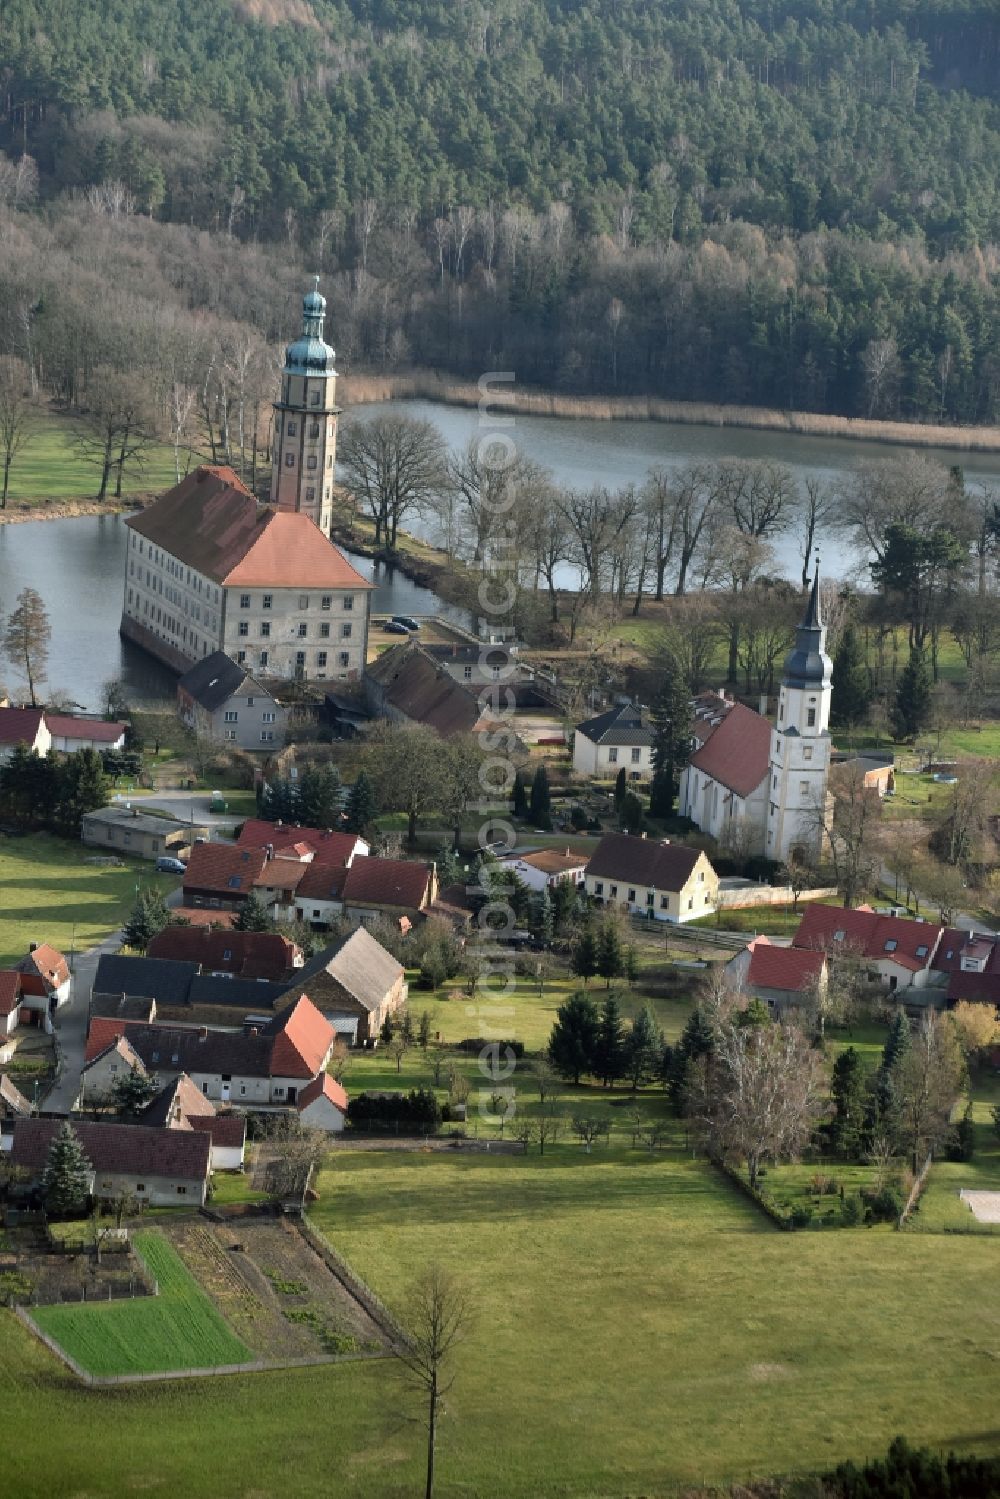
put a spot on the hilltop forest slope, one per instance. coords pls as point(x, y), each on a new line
point(793, 202)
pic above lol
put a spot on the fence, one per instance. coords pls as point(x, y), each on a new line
point(743, 896)
point(915, 1191)
point(363, 1294)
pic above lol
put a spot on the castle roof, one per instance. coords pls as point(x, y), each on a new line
point(211, 522)
point(309, 354)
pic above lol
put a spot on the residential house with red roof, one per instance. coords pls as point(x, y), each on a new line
point(784, 976)
point(208, 568)
point(159, 1167)
point(45, 984)
point(399, 890)
point(323, 1105)
point(896, 952)
point(221, 875)
point(325, 845)
point(259, 1067)
point(661, 880)
point(71, 733)
point(180, 1105)
point(248, 955)
point(541, 868)
point(23, 728)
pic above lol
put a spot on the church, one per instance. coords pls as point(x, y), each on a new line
point(757, 788)
point(209, 568)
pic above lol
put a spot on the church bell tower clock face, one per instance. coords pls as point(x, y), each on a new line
point(305, 421)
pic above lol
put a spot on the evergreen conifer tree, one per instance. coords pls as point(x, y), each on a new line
point(67, 1174)
point(610, 1055)
point(852, 681)
point(319, 796)
point(573, 1044)
point(672, 728)
point(252, 915)
point(912, 707)
point(520, 797)
point(81, 787)
point(643, 1048)
point(149, 916)
point(897, 1048)
point(630, 813)
point(361, 805)
point(610, 953)
point(848, 1089)
point(621, 786)
point(583, 959)
point(540, 806)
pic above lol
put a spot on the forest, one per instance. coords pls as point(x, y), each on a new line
point(793, 204)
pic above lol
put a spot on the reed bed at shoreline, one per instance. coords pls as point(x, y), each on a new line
point(428, 385)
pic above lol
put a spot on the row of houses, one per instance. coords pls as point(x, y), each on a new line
point(923, 964)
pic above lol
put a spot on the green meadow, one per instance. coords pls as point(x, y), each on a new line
point(639, 1328)
point(51, 468)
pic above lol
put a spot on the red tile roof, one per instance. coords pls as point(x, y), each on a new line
point(48, 964)
point(133, 1149)
point(10, 990)
point(211, 522)
point(323, 1086)
point(280, 873)
point(387, 882)
point(549, 860)
point(67, 726)
point(302, 1041)
point(327, 846)
point(225, 1129)
point(321, 882)
point(737, 752)
point(256, 955)
point(199, 916)
point(103, 1032)
point(911, 944)
point(984, 987)
point(222, 869)
point(789, 968)
point(643, 861)
point(19, 725)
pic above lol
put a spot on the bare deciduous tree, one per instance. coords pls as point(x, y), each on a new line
point(439, 1320)
point(18, 417)
point(394, 466)
point(930, 1078)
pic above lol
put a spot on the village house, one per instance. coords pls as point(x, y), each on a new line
point(248, 955)
point(617, 740)
point(180, 1105)
point(178, 992)
point(321, 845)
point(124, 828)
point(405, 684)
point(222, 876)
point(45, 985)
point(160, 1168)
point(892, 951)
point(542, 868)
point(398, 890)
point(41, 731)
point(101, 1073)
point(968, 964)
point(646, 877)
point(210, 569)
point(783, 977)
point(220, 700)
point(23, 728)
point(13, 1105)
point(260, 1067)
point(357, 985)
point(323, 1105)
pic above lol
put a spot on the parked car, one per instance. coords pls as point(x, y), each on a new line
point(406, 621)
point(166, 864)
point(393, 627)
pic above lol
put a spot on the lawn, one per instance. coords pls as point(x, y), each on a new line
point(941, 1209)
point(639, 1327)
point(51, 468)
point(50, 893)
point(178, 1329)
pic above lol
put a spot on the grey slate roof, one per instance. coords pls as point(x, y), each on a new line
point(621, 725)
point(360, 964)
point(214, 679)
point(643, 861)
point(162, 979)
point(248, 994)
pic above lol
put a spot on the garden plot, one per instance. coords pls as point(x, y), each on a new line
point(274, 1290)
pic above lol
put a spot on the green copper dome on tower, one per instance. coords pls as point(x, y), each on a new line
point(309, 355)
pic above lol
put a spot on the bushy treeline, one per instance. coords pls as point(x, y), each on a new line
point(793, 205)
point(54, 793)
point(907, 1471)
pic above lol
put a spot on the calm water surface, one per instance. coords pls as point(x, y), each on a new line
point(77, 565)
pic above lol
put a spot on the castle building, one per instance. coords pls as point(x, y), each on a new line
point(208, 568)
point(305, 422)
point(755, 788)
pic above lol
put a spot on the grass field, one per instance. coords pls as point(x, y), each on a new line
point(49, 893)
point(178, 1329)
point(51, 468)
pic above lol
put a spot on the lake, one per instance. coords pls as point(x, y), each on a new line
point(580, 454)
point(77, 565)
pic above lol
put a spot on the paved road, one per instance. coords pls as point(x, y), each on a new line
point(186, 806)
point(71, 1028)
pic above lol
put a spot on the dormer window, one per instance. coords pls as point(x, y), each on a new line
point(839, 936)
point(921, 952)
point(891, 945)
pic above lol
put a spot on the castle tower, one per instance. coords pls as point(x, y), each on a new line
point(800, 740)
point(305, 421)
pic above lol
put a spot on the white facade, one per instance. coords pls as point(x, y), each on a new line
point(322, 1113)
point(280, 632)
point(800, 742)
point(538, 879)
point(735, 822)
point(305, 422)
point(604, 761)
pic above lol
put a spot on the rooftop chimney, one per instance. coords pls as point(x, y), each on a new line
point(33, 946)
point(203, 1033)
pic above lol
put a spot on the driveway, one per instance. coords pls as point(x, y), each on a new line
point(70, 1023)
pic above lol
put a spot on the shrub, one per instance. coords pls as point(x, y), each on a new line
point(963, 1143)
point(578, 818)
point(852, 1211)
point(476, 1043)
point(801, 1217)
point(419, 1107)
point(885, 1205)
point(824, 1186)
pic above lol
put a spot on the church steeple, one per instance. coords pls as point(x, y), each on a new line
point(305, 420)
point(807, 665)
point(800, 739)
